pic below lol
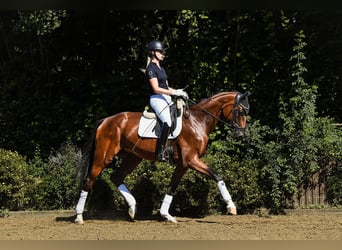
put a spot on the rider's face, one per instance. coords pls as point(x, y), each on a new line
point(159, 54)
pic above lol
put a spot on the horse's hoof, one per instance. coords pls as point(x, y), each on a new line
point(79, 222)
point(169, 218)
point(79, 219)
point(232, 210)
point(131, 211)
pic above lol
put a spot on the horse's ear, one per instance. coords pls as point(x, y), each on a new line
point(248, 93)
point(241, 97)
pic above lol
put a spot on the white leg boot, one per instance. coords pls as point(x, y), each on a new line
point(227, 198)
point(164, 209)
point(132, 204)
point(80, 207)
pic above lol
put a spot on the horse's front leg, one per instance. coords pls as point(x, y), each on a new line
point(201, 167)
point(176, 177)
point(128, 164)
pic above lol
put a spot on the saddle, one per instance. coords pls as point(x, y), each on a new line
point(150, 125)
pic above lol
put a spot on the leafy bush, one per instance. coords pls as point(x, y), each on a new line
point(261, 170)
point(14, 180)
point(330, 154)
point(4, 213)
point(56, 179)
point(258, 172)
point(334, 186)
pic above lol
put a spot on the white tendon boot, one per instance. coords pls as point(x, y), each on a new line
point(80, 207)
point(132, 204)
point(226, 197)
point(164, 209)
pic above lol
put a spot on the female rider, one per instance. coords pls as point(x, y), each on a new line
point(160, 98)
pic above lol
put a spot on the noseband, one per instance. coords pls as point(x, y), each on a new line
point(236, 114)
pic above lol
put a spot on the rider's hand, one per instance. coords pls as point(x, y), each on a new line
point(180, 92)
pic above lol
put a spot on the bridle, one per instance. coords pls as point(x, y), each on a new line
point(236, 112)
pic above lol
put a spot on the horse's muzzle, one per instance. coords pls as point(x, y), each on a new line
point(238, 133)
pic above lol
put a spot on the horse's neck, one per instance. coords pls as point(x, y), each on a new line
point(211, 109)
point(215, 104)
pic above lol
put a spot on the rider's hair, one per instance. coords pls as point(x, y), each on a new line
point(149, 59)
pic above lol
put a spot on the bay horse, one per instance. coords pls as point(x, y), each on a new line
point(117, 136)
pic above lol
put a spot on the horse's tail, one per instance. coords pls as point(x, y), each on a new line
point(88, 153)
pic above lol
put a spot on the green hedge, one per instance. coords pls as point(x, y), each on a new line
point(14, 180)
point(256, 171)
point(56, 178)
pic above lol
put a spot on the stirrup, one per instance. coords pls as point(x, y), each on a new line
point(161, 156)
point(161, 153)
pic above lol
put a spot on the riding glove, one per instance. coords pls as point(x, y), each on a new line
point(180, 92)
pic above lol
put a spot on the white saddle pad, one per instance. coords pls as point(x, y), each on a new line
point(147, 124)
point(147, 127)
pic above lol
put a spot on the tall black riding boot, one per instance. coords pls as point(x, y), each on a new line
point(161, 143)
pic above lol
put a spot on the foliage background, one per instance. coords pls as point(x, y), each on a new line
point(62, 70)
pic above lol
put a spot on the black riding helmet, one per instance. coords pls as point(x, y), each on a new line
point(155, 45)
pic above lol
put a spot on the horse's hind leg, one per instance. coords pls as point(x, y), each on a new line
point(128, 164)
point(87, 186)
point(103, 156)
point(96, 169)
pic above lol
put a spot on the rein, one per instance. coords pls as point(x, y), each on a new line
point(212, 115)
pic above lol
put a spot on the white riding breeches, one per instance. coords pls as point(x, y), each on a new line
point(161, 105)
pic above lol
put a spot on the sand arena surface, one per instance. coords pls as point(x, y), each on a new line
point(58, 225)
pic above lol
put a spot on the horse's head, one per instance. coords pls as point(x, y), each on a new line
point(238, 114)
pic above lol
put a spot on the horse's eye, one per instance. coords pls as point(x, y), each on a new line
point(240, 112)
